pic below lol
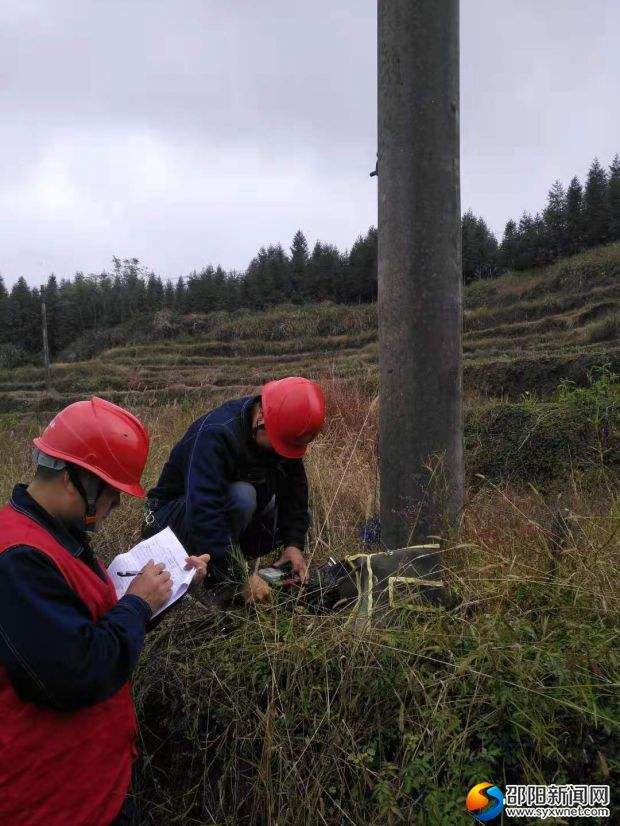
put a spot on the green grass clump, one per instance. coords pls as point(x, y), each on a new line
point(283, 717)
point(543, 442)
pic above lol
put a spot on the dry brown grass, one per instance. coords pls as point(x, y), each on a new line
point(278, 717)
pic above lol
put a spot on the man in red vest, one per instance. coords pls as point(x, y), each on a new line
point(67, 645)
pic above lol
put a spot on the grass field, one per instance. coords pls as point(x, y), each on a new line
point(277, 716)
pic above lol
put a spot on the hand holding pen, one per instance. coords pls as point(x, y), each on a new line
point(153, 584)
point(198, 562)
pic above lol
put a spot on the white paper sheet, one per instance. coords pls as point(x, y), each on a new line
point(163, 547)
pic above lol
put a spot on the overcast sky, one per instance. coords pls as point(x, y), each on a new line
point(188, 132)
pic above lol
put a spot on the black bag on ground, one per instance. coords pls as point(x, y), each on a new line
point(406, 578)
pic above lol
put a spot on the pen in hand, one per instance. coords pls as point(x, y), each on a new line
point(128, 573)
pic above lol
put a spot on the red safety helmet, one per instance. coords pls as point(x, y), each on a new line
point(294, 413)
point(102, 438)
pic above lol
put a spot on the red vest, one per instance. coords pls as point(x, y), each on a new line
point(63, 768)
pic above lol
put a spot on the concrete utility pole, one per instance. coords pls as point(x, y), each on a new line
point(420, 286)
point(46, 349)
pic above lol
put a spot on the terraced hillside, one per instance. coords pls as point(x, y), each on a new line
point(522, 332)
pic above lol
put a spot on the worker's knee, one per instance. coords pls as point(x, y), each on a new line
point(241, 506)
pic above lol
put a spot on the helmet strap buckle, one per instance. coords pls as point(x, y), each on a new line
point(90, 489)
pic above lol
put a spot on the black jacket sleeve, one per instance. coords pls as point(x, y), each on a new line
point(292, 497)
point(54, 654)
point(210, 471)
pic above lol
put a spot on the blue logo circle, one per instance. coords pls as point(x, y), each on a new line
point(495, 798)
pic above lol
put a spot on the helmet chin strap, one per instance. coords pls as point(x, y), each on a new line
point(90, 490)
point(259, 425)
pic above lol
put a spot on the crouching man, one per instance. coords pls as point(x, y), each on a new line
point(67, 645)
point(237, 478)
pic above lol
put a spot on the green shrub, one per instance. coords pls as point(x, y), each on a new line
point(478, 293)
point(542, 443)
point(509, 375)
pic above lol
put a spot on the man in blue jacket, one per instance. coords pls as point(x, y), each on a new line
point(237, 478)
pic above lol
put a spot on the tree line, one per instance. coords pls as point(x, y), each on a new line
point(573, 219)
point(95, 301)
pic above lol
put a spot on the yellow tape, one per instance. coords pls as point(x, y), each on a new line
point(392, 580)
point(410, 580)
point(358, 582)
point(369, 595)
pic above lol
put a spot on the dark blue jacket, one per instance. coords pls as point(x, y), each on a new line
point(217, 450)
point(54, 654)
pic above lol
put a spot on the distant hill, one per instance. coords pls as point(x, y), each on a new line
point(523, 332)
